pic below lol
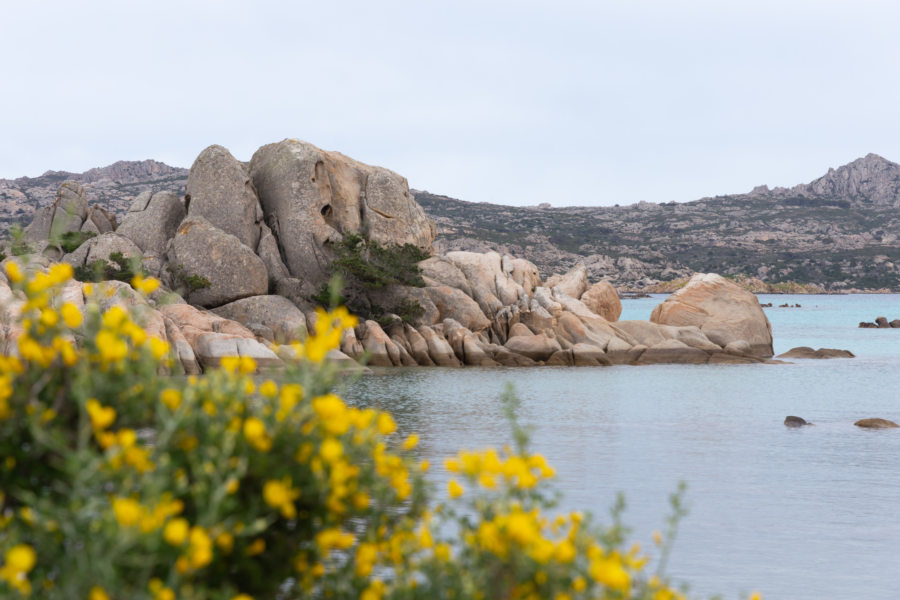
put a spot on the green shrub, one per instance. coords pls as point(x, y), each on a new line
point(119, 483)
point(366, 269)
point(121, 268)
point(186, 283)
point(71, 240)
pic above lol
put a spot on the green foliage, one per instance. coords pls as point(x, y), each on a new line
point(364, 270)
point(186, 283)
point(121, 268)
point(18, 245)
point(71, 240)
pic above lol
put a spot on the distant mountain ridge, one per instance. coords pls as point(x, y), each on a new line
point(840, 231)
point(871, 179)
point(113, 186)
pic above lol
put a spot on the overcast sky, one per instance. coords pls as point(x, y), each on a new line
point(571, 103)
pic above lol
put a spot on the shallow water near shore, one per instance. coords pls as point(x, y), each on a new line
point(793, 513)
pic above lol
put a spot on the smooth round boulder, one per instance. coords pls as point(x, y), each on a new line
point(792, 421)
point(233, 270)
point(724, 312)
point(220, 191)
point(603, 299)
point(286, 322)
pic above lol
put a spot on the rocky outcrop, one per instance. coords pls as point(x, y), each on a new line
point(479, 308)
point(723, 311)
point(220, 191)
point(807, 352)
point(311, 198)
point(233, 270)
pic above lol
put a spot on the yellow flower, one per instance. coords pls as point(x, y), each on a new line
point(145, 286)
point(61, 272)
point(280, 495)
point(158, 347)
point(331, 450)
point(200, 551)
point(255, 433)
point(21, 558)
point(225, 541)
point(171, 398)
point(14, 272)
point(128, 512)
point(101, 416)
point(98, 593)
point(411, 442)
point(49, 317)
point(454, 489)
point(269, 388)
point(112, 348)
point(386, 424)
point(176, 532)
point(71, 315)
point(610, 572)
point(366, 554)
point(231, 486)
point(243, 597)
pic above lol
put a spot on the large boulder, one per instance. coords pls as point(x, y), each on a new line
point(875, 423)
point(234, 271)
point(536, 347)
point(219, 190)
point(723, 311)
point(452, 303)
point(603, 299)
point(152, 220)
point(39, 228)
point(490, 279)
point(279, 314)
point(311, 198)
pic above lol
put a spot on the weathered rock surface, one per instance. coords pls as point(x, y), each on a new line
point(152, 221)
point(603, 299)
point(536, 347)
point(219, 190)
point(234, 271)
point(70, 209)
point(286, 322)
point(722, 310)
point(574, 283)
point(311, 197)
point(807, 352)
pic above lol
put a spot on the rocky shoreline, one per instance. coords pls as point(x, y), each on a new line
point(261, 235)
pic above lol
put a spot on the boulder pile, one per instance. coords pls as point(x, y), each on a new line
point(260, 235)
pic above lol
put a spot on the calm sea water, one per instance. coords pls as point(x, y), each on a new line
point(796, 514)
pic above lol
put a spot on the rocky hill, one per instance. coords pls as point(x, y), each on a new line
point(113, 187)
point(839, 232)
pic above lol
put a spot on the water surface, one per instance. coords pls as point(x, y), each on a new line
point(794, 513)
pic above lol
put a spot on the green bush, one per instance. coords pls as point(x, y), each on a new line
point(121, 268)
point(366, 269)
point(118, 483)
point(71, 240)
point(185, 283)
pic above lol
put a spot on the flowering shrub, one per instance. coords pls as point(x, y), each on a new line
point(119, 483)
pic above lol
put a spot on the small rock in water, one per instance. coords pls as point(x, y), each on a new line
point(791, 421)
point(807, 352)
point(868, 325)
point(882, 323)
point(876, 424)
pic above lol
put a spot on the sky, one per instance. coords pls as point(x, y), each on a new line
point(570, 103)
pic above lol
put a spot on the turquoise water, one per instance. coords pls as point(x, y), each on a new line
point(793, 513)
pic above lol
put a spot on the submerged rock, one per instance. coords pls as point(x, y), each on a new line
point(791, 421)
point(875, 423)
point(807, 352)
